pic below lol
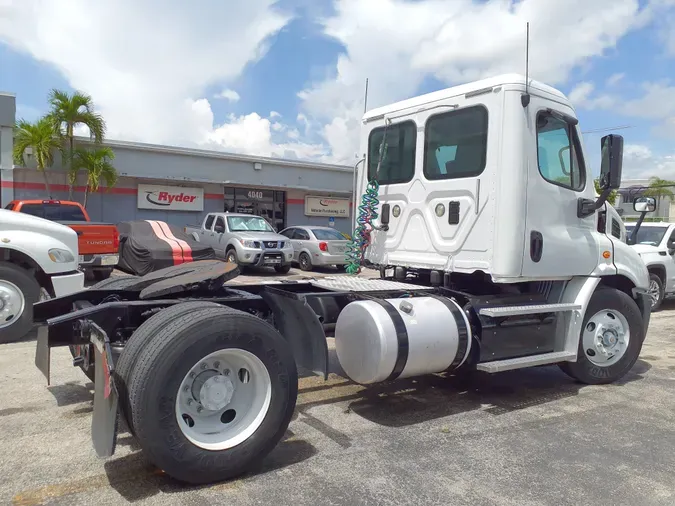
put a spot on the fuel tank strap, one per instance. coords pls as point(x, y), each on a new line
point(462, 330)
point(401, 337)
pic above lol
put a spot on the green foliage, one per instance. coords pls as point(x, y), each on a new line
point(660, 188)
point(39, 137)
point(96, 164)
point(67, 112)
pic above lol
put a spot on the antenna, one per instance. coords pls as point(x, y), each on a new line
point(525, 97)
point(365, 99)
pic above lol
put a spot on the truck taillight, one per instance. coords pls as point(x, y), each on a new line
point(116, 240)
point(323, 246)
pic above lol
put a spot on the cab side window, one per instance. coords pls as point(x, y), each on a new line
point(301, 235)
point(209, 222)
point(559, 153)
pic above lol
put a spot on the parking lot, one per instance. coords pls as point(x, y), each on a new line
point(531, 437)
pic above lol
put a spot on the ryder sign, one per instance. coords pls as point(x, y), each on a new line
point(327, 206)
point(170, 198)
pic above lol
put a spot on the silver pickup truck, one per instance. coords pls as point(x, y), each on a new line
point(244, 239)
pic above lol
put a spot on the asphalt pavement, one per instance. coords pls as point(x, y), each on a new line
point(531, 437)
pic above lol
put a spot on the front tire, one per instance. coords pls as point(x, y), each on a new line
point(231, 256)
point(19, 290)
point(657, 291)
point(282, 269)
point(212, 394)
point(611, 338)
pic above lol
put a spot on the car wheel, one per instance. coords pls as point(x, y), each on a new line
point(18, 292)
point(101, 274)
point(656, 291)
point(305, 262)
point(282, 269)
point(231, 256)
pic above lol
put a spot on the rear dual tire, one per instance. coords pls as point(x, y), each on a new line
point(207, 390)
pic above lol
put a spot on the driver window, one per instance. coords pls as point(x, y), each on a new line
point(220, 224)
point(557, 148)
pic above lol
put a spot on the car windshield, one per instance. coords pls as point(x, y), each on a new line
point(647, 235)
point(248, 224)
point(323, 234)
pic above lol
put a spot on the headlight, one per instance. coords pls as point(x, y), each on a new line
point(247, 243)
point(60, 256)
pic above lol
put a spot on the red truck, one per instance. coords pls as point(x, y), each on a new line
point(98, 242)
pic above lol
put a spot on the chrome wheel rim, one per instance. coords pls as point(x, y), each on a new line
point(654, 292)
point(12, 303)
point(223, 399)
point(606, 337)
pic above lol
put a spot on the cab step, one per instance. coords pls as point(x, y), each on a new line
point(500, 311)
point(521, 362)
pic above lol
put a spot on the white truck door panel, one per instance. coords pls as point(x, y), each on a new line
point(669, 260)
point(557, 242)
point(438, 171)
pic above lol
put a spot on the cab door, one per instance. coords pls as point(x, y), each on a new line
point(437, 169)
point(558, 243)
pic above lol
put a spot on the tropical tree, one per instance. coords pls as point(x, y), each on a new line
point(67, 112)
point(39, 137)
point(96, 164)
point(612, 195)
point(659, 189)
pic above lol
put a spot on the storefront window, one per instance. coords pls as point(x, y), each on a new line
point(269, 204)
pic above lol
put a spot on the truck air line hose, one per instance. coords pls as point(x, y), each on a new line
point(367, 213)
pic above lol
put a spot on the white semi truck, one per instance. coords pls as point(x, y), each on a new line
point(502, 259)
point(38, 260)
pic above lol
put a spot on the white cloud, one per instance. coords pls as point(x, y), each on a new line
point(148, 63)
point(640, 162)
point(149, 80)
point(228, 94)
point(614, 79)
point(396, 44)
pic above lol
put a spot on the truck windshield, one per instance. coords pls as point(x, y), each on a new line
point(54, 212)
point(248, 224)
point(647, 235)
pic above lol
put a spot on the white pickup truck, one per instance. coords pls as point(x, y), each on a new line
point(38, 260)
point(655, 243)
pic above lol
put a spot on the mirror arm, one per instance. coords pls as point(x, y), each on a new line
point(586, 207)
point(638, 224)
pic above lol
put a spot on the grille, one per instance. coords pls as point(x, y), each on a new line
point(270, 244)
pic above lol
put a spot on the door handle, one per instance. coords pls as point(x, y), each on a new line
point(536, 245)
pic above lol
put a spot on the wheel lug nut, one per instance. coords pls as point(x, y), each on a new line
point(189, 402)
point(186, 388)
point(216, 364)
point(204, 366)
point(199, 409)
point(226, 372)
point(192, 374)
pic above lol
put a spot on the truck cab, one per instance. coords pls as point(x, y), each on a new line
point(472, 182)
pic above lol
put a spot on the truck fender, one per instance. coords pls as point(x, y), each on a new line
point(195, 236)
point(630, 265)
point(36, 246)
point(579, 291)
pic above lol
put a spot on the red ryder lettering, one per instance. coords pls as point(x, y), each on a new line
point(172, 197)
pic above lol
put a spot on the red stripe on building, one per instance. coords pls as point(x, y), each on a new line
point(185, 247)
point(176, 252)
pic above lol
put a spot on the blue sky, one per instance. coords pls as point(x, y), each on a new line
point(158, 78)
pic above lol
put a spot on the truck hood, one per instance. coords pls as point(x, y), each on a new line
point(11, 220)
point(261, 236)
point(644, 249)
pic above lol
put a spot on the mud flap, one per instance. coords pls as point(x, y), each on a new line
point(43, 351)
point(104, 421)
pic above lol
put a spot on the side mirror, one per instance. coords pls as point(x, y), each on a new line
point(612, 162)
point(671, 244)
point(644, 205)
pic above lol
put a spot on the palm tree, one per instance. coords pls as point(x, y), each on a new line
point(96, 164)
point(660, 188)
point(39, 137)
point(68, 111)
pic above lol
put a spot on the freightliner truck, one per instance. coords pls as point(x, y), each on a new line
point(480, 199)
